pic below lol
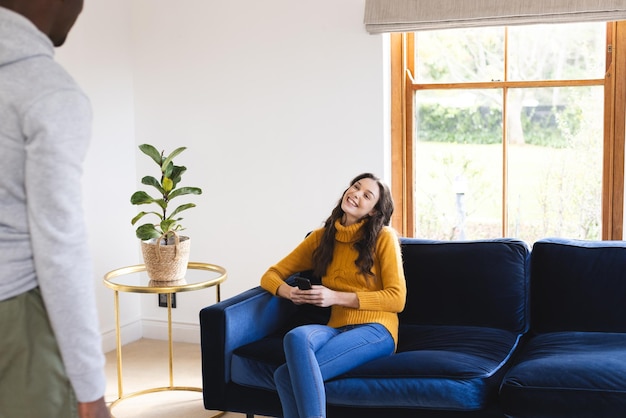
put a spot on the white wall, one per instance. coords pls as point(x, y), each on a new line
point(280, 104)
point(98, 54)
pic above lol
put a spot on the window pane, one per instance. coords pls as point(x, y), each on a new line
point(458, 164)
point(557, 52)
point(459, 55)
point(555, 163)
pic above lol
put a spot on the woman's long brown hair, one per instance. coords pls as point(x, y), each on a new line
point(365, 245)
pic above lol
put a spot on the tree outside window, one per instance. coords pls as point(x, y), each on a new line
point(508, 131)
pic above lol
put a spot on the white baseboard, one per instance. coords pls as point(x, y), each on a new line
point(130, 332)
point(181, 332)
point(154, 329)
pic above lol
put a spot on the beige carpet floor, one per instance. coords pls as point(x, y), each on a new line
point(145, 365)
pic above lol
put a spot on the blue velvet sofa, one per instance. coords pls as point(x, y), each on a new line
point(465, 316)
point(490, 329)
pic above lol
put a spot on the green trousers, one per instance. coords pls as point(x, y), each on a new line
point(33, 382)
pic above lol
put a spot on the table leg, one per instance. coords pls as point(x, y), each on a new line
point(170, 339)
point(118, 341)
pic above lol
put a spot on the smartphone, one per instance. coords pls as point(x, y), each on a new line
point(303, 283)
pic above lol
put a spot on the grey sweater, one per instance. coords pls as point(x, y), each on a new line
point(45, 123)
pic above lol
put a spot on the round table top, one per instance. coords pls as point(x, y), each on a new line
point(199, 276)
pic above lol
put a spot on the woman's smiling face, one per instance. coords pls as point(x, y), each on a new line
point(359, 200)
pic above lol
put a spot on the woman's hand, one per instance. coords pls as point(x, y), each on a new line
point(319, 296)
point(293, 293)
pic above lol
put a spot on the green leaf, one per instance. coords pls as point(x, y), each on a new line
point(146, 232)
point(171, 157)
point(139, 216)
point(167, 224)
point(142, 214)
point(168, 185)
point(151, 152)
point(167, 172)
point(141, 198)
point(185, 190)
point(161, 203)
point(151, 181)
point(177, 173)
point(182, 208)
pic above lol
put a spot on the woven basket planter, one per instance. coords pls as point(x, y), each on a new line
point(166, 263)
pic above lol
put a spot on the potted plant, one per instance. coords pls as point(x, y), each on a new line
point(165, 253)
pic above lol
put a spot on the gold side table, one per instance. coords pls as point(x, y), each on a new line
point(122, 280)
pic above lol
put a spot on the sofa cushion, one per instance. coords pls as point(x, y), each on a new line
point(439, 367)
point(254, 364)
point(568, 374)
point(578, 285)
point(472, 283)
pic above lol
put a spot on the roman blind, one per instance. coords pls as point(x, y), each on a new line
point(414, 15)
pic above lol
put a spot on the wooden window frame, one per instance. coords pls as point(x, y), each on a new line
point(402, 148)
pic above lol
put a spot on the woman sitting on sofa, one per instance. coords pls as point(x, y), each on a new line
point(357, 255)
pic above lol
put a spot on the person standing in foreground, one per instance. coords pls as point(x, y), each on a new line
point(357, 255)
point(51, 359)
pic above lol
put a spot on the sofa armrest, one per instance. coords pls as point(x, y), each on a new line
point(232, 323)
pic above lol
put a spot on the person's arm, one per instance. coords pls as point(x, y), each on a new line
point(392, 296)
point(95, 409)
point(300, 259)
point(57, 129)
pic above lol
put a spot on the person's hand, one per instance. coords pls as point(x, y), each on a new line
point(319, 296)
point(95, 409)
point(292, 293)
point(324, 297)
point(300, 297)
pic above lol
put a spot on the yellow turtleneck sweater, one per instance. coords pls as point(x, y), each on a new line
point(381, 297)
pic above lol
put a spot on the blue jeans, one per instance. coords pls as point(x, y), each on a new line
point(316, 353)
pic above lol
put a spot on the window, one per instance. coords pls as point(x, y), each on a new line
point(509, 131)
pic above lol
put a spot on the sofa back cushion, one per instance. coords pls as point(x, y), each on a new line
point(578, 285)
point(467, 283)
